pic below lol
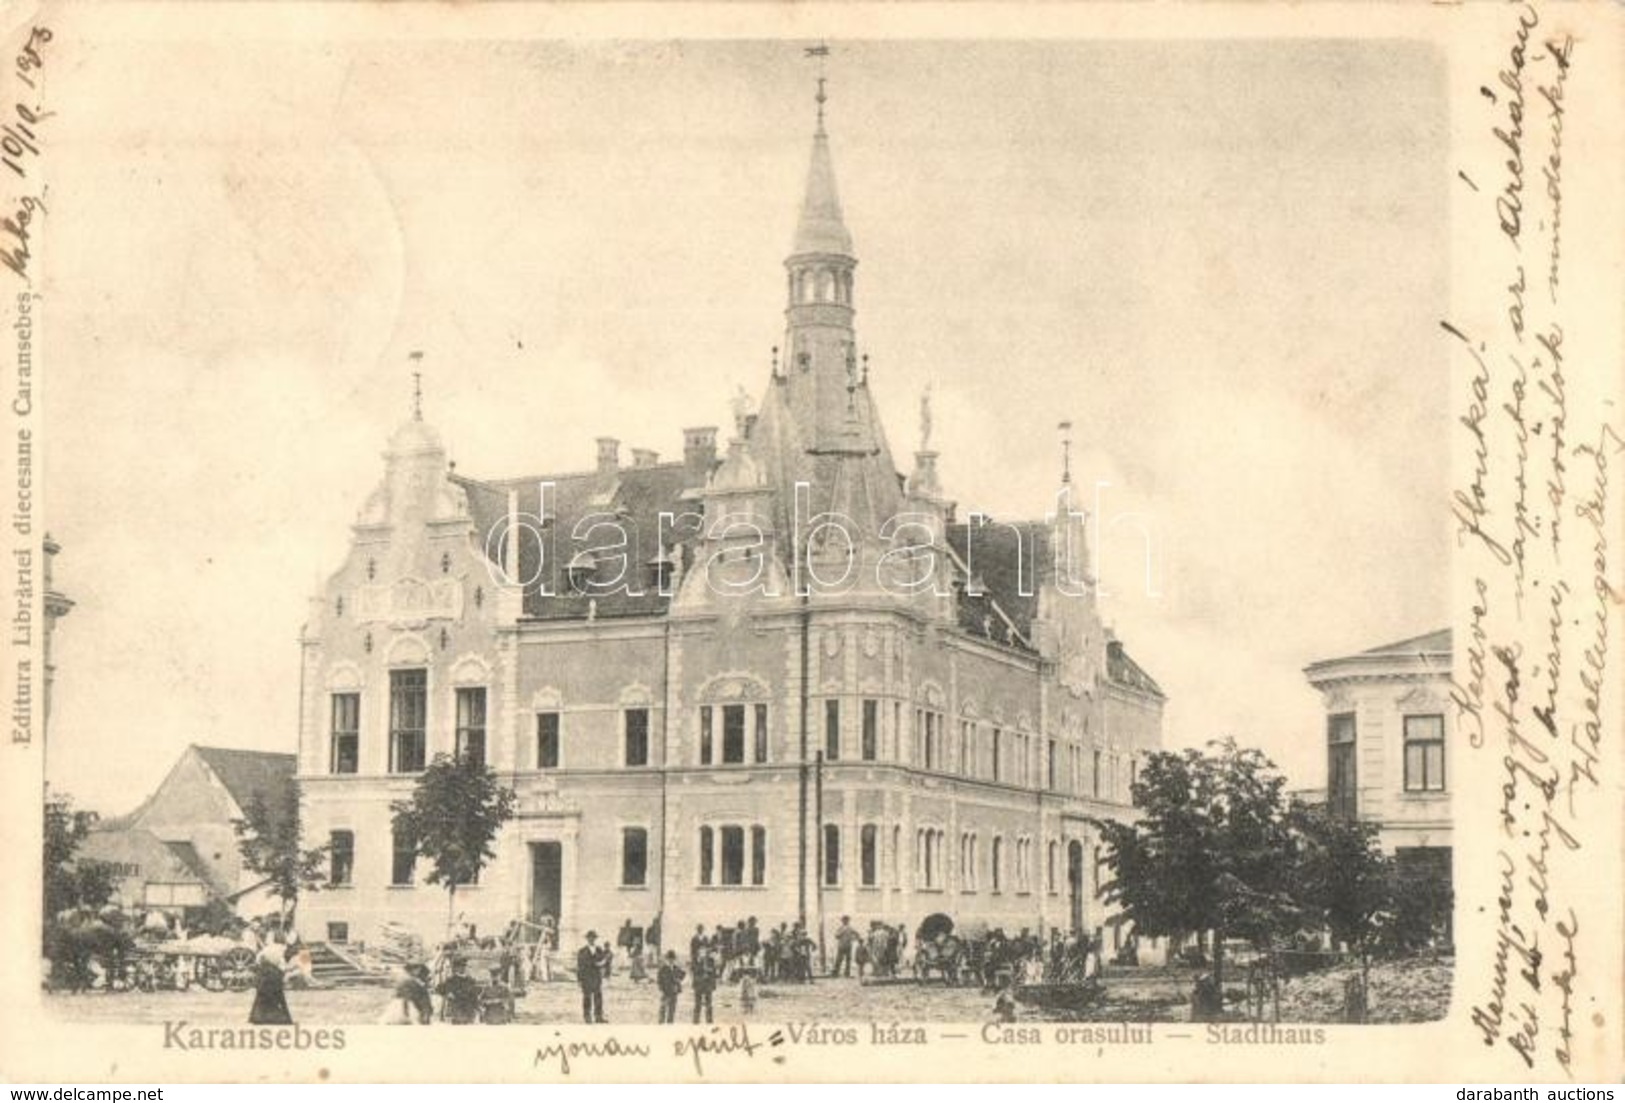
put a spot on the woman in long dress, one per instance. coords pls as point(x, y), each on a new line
point(270, 986)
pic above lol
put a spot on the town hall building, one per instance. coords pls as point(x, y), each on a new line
point(779, 677)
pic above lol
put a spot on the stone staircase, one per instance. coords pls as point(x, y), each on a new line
point(336, 966)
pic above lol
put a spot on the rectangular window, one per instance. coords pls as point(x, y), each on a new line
point(733, 854)
point(1424, 754)
point(408, 720)
point(832, 730)
point(996, 874)
point(705, 737)
point(967, 765)
point(637, 737)
point(1133, 781)
point(471, 724)
point(634, 856)
point(998, 755)
point(832, 854)
point(707, 837)
point(340, 857)
point(870, 742)
point(1342, 799)
point(1094, 781)
point(346, 733)
point(761, 733)
point(758, 855)
point(1053, 768)
point(869, 856)
point(733, 734)
point(547, 741)
point(403, 859)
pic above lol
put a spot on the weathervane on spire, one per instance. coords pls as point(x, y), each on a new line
point(820, 51)
point(416, 356)
point(1066, 452)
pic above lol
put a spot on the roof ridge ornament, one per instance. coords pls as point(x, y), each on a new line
point(821, 52)
point(416, 357)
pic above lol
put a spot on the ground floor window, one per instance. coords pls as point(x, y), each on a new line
point(403, 860)
point(340, 857)
point(869, 856)
point(634, 856)
point(832, 854)
point(725, 859)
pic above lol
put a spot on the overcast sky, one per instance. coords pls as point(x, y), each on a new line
point(1224, 263)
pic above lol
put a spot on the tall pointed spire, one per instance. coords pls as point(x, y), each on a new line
point(821, 229)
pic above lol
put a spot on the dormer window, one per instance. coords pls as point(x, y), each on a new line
point(581, 571)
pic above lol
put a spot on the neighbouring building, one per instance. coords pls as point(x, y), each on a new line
point(1387, 755)
point(178, 849)
point(778, 679)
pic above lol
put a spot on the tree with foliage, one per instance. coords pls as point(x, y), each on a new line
point(1211, 851)
point(1339, 874)
point(452, 820)
point(68, 883)
point(268, 840)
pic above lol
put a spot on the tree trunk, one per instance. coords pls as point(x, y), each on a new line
point(451, 908)
point(1218, 962)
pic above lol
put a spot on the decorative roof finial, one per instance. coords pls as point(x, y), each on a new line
point(1066, 452)
point(925, 419)
point(820, 51)
point(416, 356)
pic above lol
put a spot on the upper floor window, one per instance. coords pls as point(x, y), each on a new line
point(471, 724)
point(1424, 754)
point(637, 737)
point(1094, 778)
point(408, 718)
point(998, 755)
point(340, 857)
point(832, 729)
point(730, 746)
point(1054, 768)
point(996, 870)
point(547, 740)
point(346, 749)
point(1342, 797)
point(869, 747)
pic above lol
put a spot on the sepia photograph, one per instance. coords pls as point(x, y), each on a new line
point(769, 540)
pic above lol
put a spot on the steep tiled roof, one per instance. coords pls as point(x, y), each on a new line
point(1124, 671)
point(635, 496)
point(246, 774)
point(1003, 561)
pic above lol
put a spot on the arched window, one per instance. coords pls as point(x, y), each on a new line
point(832, 854)
point(997, 878)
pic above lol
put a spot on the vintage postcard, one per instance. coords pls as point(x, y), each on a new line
point(779, 542)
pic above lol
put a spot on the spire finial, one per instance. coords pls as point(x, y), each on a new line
point(820, 51)
point(925, 418)
point(416, 357)
point(1066, 453)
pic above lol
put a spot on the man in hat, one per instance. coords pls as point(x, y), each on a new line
point(592, 963)
point(461, 994)
point(846, 940)
point(670, 980)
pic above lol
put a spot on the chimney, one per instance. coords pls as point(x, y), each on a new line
point(700, 450)
point(609, 455)
point(645, 457)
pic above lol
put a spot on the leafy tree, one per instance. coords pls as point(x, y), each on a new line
point(1211, 851)
point(1418, 911)
point(268, 840)
point(69, 883)
point(452, 819)
point(1339, 874)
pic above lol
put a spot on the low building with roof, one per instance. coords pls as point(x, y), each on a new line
point(1387, 751)
point(178, 848)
